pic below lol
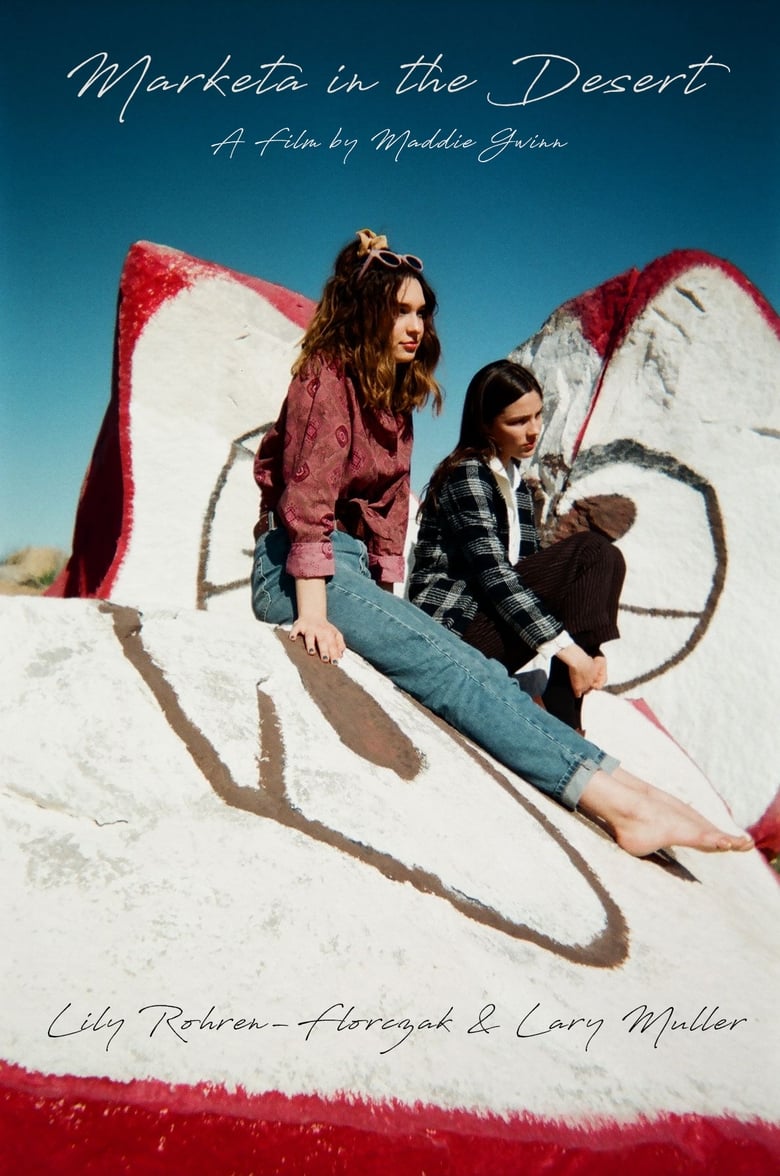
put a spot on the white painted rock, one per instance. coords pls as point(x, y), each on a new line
point(271, 916)
point(251, 885)
point(202, 364)
point(662, 388)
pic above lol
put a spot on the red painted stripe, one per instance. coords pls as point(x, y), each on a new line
point(151, 275)
point(154, 273)
point(95, 1127)
point(607, 312)
point(766, 831)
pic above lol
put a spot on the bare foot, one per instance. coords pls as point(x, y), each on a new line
point(651, 793)
point(643, 819)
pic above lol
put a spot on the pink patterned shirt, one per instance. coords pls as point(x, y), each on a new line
point(331, 462)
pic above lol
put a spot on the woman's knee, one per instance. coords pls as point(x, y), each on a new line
point(591, 547)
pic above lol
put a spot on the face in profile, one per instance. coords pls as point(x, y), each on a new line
point(516, 429)
point(409, 323)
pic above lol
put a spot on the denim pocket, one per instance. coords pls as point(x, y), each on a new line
point(261, 597)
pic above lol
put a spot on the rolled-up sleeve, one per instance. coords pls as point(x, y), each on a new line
point(316, 447)
point(468, 504)
point(388, 518)
point(386, 553)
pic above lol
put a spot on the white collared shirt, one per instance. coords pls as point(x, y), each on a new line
point(508, 479)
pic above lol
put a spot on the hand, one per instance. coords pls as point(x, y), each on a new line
point(601, 672)
point(585, 672)
point(319, 637)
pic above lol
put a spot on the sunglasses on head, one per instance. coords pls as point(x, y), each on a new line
point(391, 260)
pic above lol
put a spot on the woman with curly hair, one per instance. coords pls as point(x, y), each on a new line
point(333, 474)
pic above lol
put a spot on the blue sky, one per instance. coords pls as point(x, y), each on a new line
point(506, 235)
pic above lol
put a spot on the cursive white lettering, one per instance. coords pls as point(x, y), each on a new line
point(279, 76)
point(563, 73)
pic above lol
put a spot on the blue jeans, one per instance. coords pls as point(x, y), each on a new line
point(474, 694)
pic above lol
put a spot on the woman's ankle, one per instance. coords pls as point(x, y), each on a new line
point(643, 819)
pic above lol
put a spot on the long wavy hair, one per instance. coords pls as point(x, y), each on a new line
point(492, 389)
point(352, 328)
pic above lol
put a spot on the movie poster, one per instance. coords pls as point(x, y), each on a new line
point(527, 153)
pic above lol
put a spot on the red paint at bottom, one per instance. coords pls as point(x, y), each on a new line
point(93, 1127)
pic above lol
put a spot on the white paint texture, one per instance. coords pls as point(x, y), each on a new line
point(214, 362)
point(138, 886)
point(694, 384)
point(134, 883)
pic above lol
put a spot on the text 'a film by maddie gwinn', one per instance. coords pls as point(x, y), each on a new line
point(392, 142)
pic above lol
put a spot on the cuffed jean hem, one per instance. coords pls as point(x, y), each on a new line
point(578, 781)
point(475, 695)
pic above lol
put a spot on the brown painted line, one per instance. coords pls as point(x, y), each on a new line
point(609, 950)
point(208, 522)
point(127, 627)
point(207, 589)
point(634, 453)
point(611, 946)
point(270, 800)
point(666, 613)
point(253, 434)
point(353, 714)
point(237, 448)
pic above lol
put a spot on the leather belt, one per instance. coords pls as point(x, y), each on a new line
point(268, 522)
point(265, 523)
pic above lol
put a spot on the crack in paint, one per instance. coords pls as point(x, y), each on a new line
point(691, 298)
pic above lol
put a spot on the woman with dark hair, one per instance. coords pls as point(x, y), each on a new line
point(334, 479)
point(479, 567)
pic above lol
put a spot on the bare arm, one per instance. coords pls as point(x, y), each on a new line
point(319, 635)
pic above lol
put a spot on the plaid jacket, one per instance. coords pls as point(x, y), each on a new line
point(460, 558)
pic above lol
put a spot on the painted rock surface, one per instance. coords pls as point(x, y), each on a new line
point(662, 397)
point(269, 916)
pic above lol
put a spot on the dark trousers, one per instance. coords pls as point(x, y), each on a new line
point(579, 581)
